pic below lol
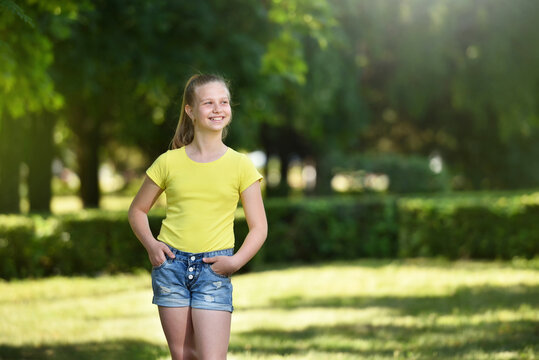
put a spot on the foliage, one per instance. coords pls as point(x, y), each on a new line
point(123, 69)
point(296, 20)
point(346, 77)
point(497, 228)
point(27, 91)
point(88, 243)
point(93, 242)
point(312, 230)
point(15, 9)
point(456, 77)
point(26, 53)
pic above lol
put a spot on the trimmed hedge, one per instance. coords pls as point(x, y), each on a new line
point(93, 242)
point(489, 228)
point(332, 228)
point(90, 242)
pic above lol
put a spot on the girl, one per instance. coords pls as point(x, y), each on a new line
point(193, 257)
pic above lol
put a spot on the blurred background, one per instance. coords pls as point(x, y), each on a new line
point(332, 97)
point(384, 129)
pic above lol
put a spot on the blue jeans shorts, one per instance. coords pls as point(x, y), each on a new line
point(188, 281)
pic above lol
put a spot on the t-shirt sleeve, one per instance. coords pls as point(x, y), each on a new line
point(248, 173)
point(158, 171)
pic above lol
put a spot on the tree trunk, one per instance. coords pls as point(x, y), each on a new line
point(274, 141)
point(87, 130)
point(40, 154)
point(11, 148)
point(323, 175)
point(88, 158)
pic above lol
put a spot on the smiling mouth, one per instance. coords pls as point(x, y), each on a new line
point(218, 118)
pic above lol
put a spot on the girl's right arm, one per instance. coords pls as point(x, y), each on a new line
point(138, 219)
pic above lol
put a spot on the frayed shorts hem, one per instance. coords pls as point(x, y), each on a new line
point(170, 302)
point(208, 306)
point(194, 305)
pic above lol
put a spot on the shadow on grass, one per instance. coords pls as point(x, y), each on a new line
point(361, 341)
point(110, 350)
point(384, 341)
point(466, 300)
point(422, 337)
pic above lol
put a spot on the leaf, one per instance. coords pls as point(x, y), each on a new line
point(17, 10)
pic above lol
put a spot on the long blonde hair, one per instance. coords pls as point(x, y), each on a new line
point(185, 130)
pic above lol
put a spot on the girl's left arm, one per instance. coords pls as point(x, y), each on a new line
point(253, 206)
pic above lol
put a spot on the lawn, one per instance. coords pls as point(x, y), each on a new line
point(364, 309)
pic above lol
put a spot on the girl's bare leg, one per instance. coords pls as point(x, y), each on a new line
point(212, 333)
point(178, 328)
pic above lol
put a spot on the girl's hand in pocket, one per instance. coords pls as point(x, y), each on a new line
point(222, 265)
point(158, 253)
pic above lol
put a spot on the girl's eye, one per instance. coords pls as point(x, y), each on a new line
point(225, 102)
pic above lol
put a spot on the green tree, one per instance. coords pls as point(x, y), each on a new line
point(27, 94)
point(459, 77)
point(318, 113)
point(122, 70)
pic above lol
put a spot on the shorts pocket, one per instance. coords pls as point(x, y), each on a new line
point(214, 273)
point(161, 265)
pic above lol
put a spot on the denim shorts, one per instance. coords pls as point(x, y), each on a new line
point(188, 281)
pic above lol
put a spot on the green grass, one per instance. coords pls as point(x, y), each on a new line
point(366, 309)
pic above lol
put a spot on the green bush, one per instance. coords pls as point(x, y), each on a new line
point(307, 230)
point(17, 244)
point(321, 229)
point(495, 228)
point(88, 243)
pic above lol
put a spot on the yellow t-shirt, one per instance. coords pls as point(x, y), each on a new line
point(201, 198)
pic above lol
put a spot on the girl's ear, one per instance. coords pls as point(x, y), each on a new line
point(189, 111)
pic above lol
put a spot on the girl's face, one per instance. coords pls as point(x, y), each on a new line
point(211, 109)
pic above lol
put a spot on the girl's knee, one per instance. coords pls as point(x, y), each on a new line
point(190, 353)
point(183, 353)
point(213, 356)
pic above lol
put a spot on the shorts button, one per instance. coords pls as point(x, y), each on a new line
point(191, 269)
point(190, 277)
point(193, 258)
